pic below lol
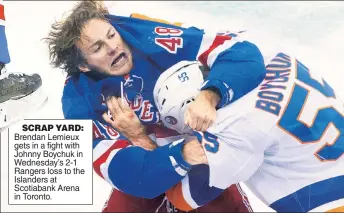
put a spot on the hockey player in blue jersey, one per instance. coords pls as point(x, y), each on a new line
point(17, 88)
point(101, 52)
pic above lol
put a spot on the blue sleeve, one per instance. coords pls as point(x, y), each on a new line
point(145, 173)
point(200, 190)
point(194, 191)
point(236, 71)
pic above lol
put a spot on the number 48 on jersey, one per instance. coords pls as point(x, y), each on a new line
point(169, 38)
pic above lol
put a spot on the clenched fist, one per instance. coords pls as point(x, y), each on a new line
point(201, 113)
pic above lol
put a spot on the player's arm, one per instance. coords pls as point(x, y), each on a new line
point(194, 190)
point(236, 65)
point(140, 172)
point(236, 68)
point(135, 170)
point(229, 162)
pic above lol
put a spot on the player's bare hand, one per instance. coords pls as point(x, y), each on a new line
point(193, 153)
point(201, 113)
point(123, 118)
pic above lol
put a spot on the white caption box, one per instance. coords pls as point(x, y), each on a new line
point(50, 162)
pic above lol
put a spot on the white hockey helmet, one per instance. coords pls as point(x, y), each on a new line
point(175, 89)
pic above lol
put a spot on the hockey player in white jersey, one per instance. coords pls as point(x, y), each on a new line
point(284, 140)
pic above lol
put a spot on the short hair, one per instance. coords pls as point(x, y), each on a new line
point(61, 40)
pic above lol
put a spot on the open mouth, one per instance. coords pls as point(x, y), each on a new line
point(119, 60)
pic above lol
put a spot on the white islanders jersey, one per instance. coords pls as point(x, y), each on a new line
point(285, 140)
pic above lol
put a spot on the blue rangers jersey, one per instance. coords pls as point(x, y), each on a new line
point(236, 67)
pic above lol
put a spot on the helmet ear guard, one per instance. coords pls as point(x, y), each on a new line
point(175, 89)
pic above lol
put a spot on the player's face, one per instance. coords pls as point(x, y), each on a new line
point(104, 49)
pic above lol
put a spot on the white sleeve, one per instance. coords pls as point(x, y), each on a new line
point(240, 153)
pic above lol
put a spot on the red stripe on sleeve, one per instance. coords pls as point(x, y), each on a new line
point(102, 159)
point(219, 40)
